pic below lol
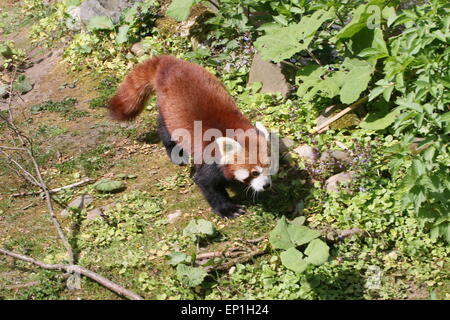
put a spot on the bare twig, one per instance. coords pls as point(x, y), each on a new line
point(75, 268)
point(73, 185)
point(322, 127)
point(240, 259)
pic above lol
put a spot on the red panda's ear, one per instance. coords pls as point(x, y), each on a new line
point(262, 129)
point(228, 148)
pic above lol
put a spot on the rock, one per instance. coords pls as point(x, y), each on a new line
point(341, 156)
point(173, 216)
point(94, 213)
point(98, 212)
point(286, 144)
point(138, 49)
point(109, 8)
point(74, 21)
point(307, 152)
point(79, 202)
point(334, 182)
point(336, 160)
point(269, 74)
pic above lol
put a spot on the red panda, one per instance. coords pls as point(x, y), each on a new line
point(187, 95)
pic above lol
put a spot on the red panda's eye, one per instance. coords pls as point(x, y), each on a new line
point(255, 173)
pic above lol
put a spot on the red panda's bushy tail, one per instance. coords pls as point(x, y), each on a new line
point(133, 92)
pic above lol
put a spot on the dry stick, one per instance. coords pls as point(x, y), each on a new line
point(75, 268)
point(240, 259)
point(73, 185)
point(320, 129)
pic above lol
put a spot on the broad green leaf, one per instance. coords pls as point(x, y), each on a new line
point(100, 23)
point(379, 123)
point(359, 21)
point(281, 43)
point(180, 9)
point(108, 185)
point(300, 234)
point(176, 258)
point(122, 36)
point(313, 79)
point(199, 227)
point(279, 237)
point(299, 221)
point(191, 276)
point(361, 15)
point(445, 117)
point(293, 260)
point(317, 252)
point(356, 80)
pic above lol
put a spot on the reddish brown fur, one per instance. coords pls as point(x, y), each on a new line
point(185, 92)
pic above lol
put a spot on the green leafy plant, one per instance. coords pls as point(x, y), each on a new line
point(289, 236)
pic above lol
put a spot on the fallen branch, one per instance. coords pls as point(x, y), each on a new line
point(240, 259)
point(77, 269)
point(73, 185)
point(323, 127)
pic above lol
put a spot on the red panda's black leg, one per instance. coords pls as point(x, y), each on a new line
point(170, 145)
point(212, 183)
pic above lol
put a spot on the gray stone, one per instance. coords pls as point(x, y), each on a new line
point(94, 213)
point(98, 212)
point(269, 74)
point(307, 152)
point(334, 183)
point(336, 160)
point(285, 144)
point(74, 21)
point(138, 49)
point(109, 8)
point(173, 216)
point(341, 156)
point(79, 202)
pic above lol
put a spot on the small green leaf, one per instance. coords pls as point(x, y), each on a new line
point(180, 9)
point(317, 252)
point(293, 260)
point(22, 84)
point(122, 35)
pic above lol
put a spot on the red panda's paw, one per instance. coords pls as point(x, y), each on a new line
point(230, 211)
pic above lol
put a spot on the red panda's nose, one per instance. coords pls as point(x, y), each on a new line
point(267, 185)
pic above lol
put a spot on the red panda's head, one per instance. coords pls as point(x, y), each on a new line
point(245, 157)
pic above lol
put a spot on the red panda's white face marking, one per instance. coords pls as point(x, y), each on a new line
point(241, 174)
point(247, 161)
point(262, 181)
